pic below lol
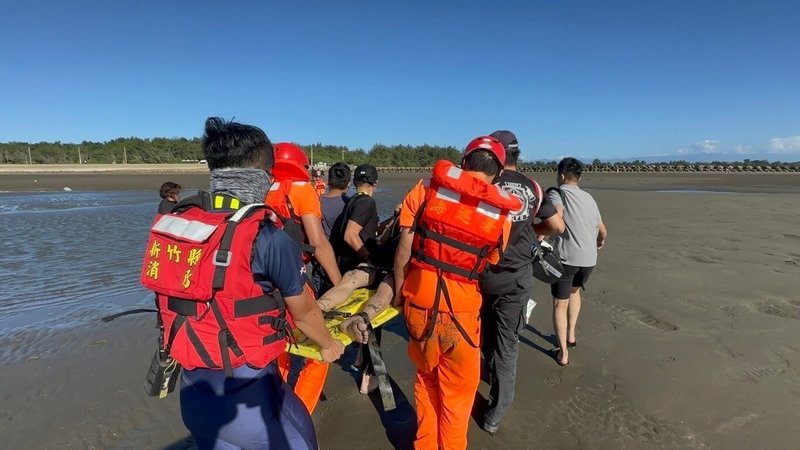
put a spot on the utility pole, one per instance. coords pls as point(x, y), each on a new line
point(342, 155)
point(124, 155)
point(30, 159)
point(80, 159)
point(312, 156)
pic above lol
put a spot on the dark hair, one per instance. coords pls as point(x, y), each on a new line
point(571, 168)
point(512, 155)
point(170, 189)
point(339, 176)
point(232, 144)
point(482, 161)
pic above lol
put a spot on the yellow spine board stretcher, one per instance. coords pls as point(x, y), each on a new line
point(309, 349)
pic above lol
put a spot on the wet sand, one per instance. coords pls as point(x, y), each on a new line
point(195, 176)
point(689, 338)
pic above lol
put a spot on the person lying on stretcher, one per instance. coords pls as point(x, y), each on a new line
point(367, 275)
point(364, 248)
point(365, 253)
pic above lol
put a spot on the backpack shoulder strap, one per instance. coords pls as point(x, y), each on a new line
point(201, 199)
point(560, 194)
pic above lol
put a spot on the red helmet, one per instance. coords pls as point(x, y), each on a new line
point(291, 162)
point(488, 143)
point(292, 152)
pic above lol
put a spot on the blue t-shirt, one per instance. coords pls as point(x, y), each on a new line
point(331, 209)
point(276, 258)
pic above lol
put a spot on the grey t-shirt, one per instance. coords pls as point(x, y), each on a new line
point(577, 245)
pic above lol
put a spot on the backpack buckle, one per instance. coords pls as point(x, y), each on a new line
point(279, 324)
point(222, 262)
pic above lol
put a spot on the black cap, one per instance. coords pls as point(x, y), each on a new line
point(508, 139)
point(365, 173)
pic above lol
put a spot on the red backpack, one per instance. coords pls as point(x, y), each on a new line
point(197, 261)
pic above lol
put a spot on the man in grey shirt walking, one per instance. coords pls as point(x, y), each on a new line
point(585, 233)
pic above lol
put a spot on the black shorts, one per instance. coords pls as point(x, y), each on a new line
point(573, 277)
point(381, 274)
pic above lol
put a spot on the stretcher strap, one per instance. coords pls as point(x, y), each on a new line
point(379, 368)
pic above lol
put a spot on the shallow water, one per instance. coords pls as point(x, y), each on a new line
point(67, 254)
point(71, 257)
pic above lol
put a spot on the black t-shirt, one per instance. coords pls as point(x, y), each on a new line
point(518, 252)
point(363, 210)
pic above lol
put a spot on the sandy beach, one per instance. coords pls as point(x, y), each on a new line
point(689, 337)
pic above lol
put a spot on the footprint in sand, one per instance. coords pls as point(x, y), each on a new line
point(786, 309)
point(639, 317)
point(553, 381)
point(598, 409)
point(756, 373)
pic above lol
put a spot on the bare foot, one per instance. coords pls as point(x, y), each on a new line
point(562, 358)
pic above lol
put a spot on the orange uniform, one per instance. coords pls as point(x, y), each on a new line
point(319, 186)
point(303, 199)
point(302, 196)
point(451, 217)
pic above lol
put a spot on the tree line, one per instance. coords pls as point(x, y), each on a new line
point(177, 150)
point(135, 150)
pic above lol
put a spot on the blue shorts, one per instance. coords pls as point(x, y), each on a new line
point(255, 409)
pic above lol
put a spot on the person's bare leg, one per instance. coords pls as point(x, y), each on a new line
point(572, 313)
point(337, 295)
point(375, 305)
point(560, 307)
point(359, 331)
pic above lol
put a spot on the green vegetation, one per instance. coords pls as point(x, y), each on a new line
point(177, 150)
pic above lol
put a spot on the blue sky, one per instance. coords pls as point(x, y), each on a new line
point(608, 79)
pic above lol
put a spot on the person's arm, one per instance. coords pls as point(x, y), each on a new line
point(554, 199)
point(278, 265)
point(406, 218)
point(308, 318)
point(401, 258)
point(323, 252)
point(352, 236)
point(355, 326)
point(552, 222)
point(602, 232)
point(551, 225)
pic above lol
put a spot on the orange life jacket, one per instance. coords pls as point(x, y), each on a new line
point(319, 186)
point(197, 262)
point(459, 223)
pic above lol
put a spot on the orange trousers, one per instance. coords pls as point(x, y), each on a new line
point(310, 380)
point(448, 375)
